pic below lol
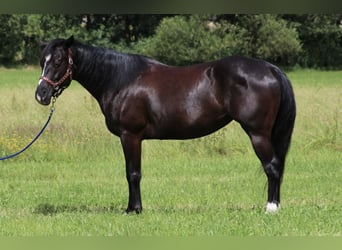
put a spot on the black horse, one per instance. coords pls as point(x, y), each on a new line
point(142, 98)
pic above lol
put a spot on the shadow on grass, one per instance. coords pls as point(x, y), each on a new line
point(50, 209)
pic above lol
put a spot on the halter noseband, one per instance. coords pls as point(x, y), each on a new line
point(67, 74)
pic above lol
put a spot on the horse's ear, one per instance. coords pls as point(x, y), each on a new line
point(69, 41)
point(42, 45)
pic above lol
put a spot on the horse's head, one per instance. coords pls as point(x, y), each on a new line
point(56, 63)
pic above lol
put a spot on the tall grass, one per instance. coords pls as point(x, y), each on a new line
point(72, 181)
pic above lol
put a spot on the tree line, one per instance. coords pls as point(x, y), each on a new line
point(304, 40)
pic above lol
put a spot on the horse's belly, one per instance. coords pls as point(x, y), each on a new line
point(181, 129)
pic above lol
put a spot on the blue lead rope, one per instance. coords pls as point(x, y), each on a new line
point(35, 138)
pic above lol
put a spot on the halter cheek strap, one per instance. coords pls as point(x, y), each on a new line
point(67, 74)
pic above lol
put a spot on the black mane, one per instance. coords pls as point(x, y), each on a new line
point(99, 68)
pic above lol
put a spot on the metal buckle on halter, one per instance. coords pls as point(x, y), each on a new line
point(58, 91)
point(71, 62)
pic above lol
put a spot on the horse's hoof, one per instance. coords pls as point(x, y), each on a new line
point(137, 210)
point(272, 208)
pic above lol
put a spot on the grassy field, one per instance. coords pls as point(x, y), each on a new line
point(72, 181)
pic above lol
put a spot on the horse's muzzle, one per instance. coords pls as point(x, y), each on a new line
point(43, 96)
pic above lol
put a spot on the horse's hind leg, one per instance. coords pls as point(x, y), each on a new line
point(272, 166)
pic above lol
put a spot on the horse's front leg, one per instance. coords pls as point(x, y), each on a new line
point(131, 145)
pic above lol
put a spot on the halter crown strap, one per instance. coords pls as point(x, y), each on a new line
point(67, 74)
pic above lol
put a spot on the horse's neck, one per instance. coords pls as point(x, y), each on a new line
point(88, 69)
point(102, 71)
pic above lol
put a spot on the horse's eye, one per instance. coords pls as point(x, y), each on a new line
point(56, 65)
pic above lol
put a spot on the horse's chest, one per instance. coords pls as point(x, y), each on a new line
point(125, 114)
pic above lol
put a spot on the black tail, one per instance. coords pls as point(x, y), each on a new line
point(283, 127)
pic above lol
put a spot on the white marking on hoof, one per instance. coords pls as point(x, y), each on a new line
point(272, 207)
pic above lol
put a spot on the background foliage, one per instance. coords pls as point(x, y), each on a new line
point(310, 40)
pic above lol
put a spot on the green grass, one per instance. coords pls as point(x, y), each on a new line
point(72, 181)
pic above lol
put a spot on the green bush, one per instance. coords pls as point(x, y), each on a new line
point(271, 38)
point(10, 39)
point(321, 36)
point(182, 40)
